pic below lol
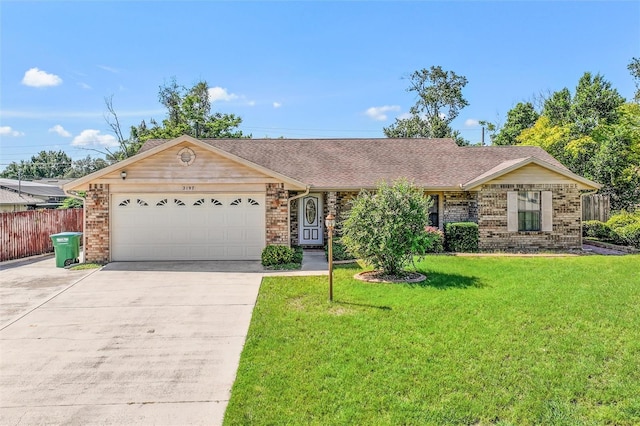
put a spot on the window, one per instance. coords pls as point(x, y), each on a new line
point(434, 217)
point(529, 211)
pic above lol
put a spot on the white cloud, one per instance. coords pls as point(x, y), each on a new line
point(84, 86)
point(60, 131)
point(251, 103)
point(379, 113)
point(8, 131)
point(220, 94)
point(277, 104)
point(471, 122)
point(38, 78)
point(404, 116)
point(93, 137)
point(110, 69)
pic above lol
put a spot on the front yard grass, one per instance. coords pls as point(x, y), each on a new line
point(485, 340)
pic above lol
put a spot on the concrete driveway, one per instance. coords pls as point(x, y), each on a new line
point(133, 343)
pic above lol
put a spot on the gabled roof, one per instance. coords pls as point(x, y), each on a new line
point(511, 165)
point(362, 163)
point(151, 149)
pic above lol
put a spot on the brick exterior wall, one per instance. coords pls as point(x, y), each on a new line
point(460, 206)
point(276, 214)
point(97, 224)
point(566, 233)
point(293, 219)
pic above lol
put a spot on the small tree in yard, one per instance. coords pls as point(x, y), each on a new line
point(384, 228)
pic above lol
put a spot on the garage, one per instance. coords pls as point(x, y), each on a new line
point(187, 226)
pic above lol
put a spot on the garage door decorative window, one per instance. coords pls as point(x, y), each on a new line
point(253, 202)
point(162, 203)
point(236, 202)
point(215, 202)
point(124, 203)
point(178, 202)
point(142, 203)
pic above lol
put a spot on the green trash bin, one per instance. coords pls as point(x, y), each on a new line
point(67, 248)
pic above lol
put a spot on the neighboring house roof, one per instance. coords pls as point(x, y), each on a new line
point(360, 163)
point(13, 198)
point(37, 189)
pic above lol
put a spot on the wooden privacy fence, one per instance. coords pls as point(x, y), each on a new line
point(595, 207)
point(28, 233)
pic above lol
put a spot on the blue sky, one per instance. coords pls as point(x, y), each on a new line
point(292, 69)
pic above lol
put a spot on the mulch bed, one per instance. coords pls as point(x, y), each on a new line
point(380, 277)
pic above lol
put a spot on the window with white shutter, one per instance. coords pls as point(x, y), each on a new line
point(529, 211)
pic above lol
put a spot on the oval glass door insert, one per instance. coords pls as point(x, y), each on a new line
point(311, 211)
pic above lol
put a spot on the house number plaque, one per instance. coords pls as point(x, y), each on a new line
point(189, 188)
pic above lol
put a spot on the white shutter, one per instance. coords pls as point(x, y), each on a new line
point(547, 211)
point(512, 211)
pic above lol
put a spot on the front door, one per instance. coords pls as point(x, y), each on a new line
point(310, 220)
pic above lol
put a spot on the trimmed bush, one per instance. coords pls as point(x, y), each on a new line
point(431, 241)
point(340, 251)
point(623, 218)
point(596, 229)
point(461, 237)
point(273, 255)
point(630, 234)
point(297, 254)
point(382, 226)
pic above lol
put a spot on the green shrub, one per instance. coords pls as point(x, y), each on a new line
point(277, 255)
point(596, 229)
point(461, 237)
point(340, 251)
point(430, 241)
point(630, 234)
point(382, 226)
point(623, 218)
point(297, 254)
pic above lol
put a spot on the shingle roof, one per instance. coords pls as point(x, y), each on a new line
point(11, 197)
point(361, 163)
point(33, 188)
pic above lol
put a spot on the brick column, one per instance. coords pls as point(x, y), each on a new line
point(97, 224)
point(277, 214)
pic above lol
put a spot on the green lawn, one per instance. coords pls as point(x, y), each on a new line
point(486, 340)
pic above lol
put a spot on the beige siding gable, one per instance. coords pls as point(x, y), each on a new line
point(531, 174)
point(166, 166)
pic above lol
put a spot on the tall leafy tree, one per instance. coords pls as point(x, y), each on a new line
point(557, 107)
point(595, 102)
point(188, 112)
point(439, 101)
point(45, 164)
point(616, 163)
point(85, 166)
point(522, 116)
point(634, 69)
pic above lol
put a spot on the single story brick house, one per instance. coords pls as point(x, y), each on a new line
point(226, 199)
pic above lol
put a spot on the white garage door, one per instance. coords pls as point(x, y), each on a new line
point(187, 227)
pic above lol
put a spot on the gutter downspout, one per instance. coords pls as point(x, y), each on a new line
point(84, 224)
point(295, 197)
